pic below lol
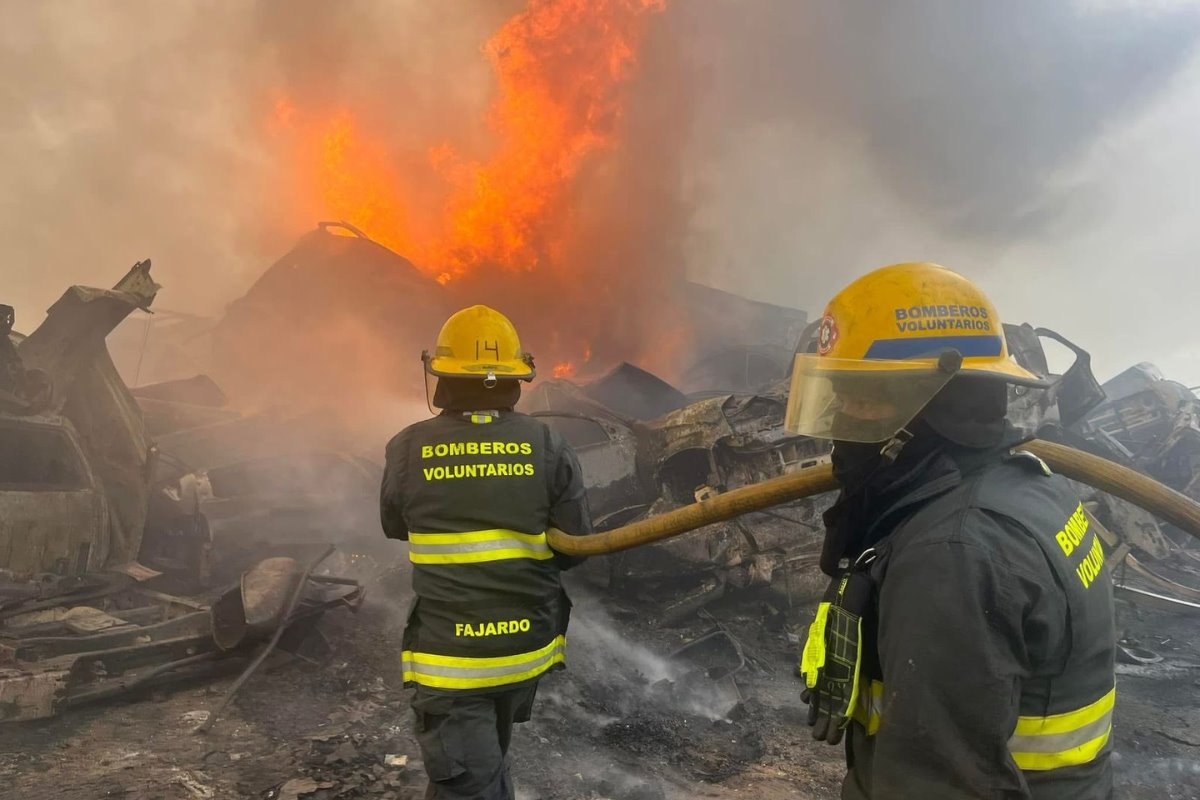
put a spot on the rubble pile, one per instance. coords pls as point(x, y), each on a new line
point(712, 441)
point(159, 542)
point(106, 584)
point(350, 755)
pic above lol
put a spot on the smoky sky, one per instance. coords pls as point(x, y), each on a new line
point(965, 106)
point(777, 148)
point(136, 128)
point(1007, 140)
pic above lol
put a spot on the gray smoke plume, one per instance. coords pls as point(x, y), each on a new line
point(773, 147)
point(135, 128)
point(1043, 148)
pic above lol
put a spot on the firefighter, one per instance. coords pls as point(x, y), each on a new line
point(473, 491)
point(965, 645)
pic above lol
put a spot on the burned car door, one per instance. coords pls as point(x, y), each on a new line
point(608, 455)
point(52, 513)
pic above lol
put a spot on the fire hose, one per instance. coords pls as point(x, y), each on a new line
point(1119, 481)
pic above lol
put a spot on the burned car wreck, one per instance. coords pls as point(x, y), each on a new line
point(158, 534)
point(105, 579)
point(169, 534)
point(694, 446)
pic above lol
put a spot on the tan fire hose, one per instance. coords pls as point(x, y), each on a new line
point(1115, 479)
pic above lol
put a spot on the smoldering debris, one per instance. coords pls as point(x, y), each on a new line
point(301, 465)
point(634, 676)
point(105, 583)
point(640, 466)
point(321, 324)
point(636, 721)
point(680, 653)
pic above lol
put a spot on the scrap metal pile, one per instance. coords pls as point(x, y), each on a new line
point(156, 534)
point(106, 553)
point(701, 444)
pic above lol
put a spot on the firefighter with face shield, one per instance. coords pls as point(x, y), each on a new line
point(964, 648)
point(473, 491)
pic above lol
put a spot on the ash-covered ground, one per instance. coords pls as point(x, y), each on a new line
point(709, 709)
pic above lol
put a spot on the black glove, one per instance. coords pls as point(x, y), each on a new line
point(832, 655)
point(822, 711)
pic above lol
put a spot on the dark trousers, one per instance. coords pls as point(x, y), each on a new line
point(464, 740)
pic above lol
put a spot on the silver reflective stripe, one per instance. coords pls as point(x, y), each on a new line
point(475, 547)
point(1060, 742)
point(482, 672)
point(480, 547)
point(458, 672)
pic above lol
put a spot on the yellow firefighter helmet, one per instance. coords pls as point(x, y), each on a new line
point(887, 344)
point(479, 342)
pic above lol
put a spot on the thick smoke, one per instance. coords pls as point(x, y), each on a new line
point(1041, 147)
point(777, 148)
point(964, 108)
point(197, 135)
point(140, 128)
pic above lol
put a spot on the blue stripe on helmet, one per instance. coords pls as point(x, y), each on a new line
point(967, 346)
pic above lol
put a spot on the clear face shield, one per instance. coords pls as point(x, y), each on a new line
point(862, 401)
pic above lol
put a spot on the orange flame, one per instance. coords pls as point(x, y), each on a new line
point(568, 369)
point(559, 66)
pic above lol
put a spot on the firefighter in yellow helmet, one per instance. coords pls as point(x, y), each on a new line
point(965, 644)
point(473, 491)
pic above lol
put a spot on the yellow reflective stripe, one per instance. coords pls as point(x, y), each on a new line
point(1073, 757)
point(1038, 743)
point(1063, 740)
point(474, 547)
point(476, 536)
point(868, 712)
point(442, 682)
point(1068, 721)
point(455, 672)
point(467, 662)
point(475, 558)
point(812, 658)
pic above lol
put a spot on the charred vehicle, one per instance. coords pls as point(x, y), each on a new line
point(77, 461)
point(637, 464)
point(103, 567)
point(1152, 422)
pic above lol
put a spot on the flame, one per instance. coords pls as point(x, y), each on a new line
point(344, 174)
point(559, 66)
point(511, 209)
point(568, 369)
